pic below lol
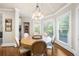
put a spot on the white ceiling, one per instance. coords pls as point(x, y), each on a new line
point(27, 9)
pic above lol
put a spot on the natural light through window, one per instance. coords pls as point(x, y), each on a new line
point(64, 28)
point(37, 27)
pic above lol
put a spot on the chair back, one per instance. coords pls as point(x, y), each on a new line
point(26, 35)
point(39, 48)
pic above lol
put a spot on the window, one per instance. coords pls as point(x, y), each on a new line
point(44, 27)
point(64, 28)
point(48, 27)
point(37, 27)
point(48, 32)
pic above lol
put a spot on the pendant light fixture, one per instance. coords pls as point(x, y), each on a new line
point(37, 13)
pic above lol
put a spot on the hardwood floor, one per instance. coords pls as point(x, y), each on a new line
point(9, 51)
point(58, 51)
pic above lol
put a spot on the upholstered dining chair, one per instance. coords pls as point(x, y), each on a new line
point(24, 51)
point(26, 35)
point(39, 48)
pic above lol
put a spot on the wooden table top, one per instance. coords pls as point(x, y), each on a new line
point(28, 41)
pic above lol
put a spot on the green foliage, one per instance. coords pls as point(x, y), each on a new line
point(64, 23)
point(37, 29)
point(63, 28)
point(48, 28)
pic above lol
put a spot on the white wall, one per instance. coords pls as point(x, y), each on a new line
point(10, 37)
point(27, 19)
point(77, 29)
point(16, 24)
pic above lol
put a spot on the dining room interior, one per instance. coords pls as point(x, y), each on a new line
point(39, 29)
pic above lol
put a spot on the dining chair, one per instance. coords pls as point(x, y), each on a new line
point(39, 48)
point(50, 46)
point(26, 35)
point(24, 51)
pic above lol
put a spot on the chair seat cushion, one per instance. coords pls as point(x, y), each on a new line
point(23, 50)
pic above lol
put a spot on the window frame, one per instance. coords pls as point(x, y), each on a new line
point(69, 33)
point(77, 31)
point(42, 22)
point(35, 21)
point(50, 20)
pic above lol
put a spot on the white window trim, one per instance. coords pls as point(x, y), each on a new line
point(77, 31)
point(69, 39)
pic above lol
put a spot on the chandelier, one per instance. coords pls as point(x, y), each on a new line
point(37, 13)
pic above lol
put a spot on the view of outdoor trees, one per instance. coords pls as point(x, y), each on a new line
point(64, 28)
point(37, 28)
point(48, 28)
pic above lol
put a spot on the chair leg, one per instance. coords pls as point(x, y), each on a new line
point(26, 53)
point(45, 53)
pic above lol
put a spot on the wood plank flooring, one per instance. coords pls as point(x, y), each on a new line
point(58, 51)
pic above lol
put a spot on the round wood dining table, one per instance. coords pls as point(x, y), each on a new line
point(27, 42)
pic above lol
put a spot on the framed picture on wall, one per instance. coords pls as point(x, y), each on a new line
point(8, 24)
